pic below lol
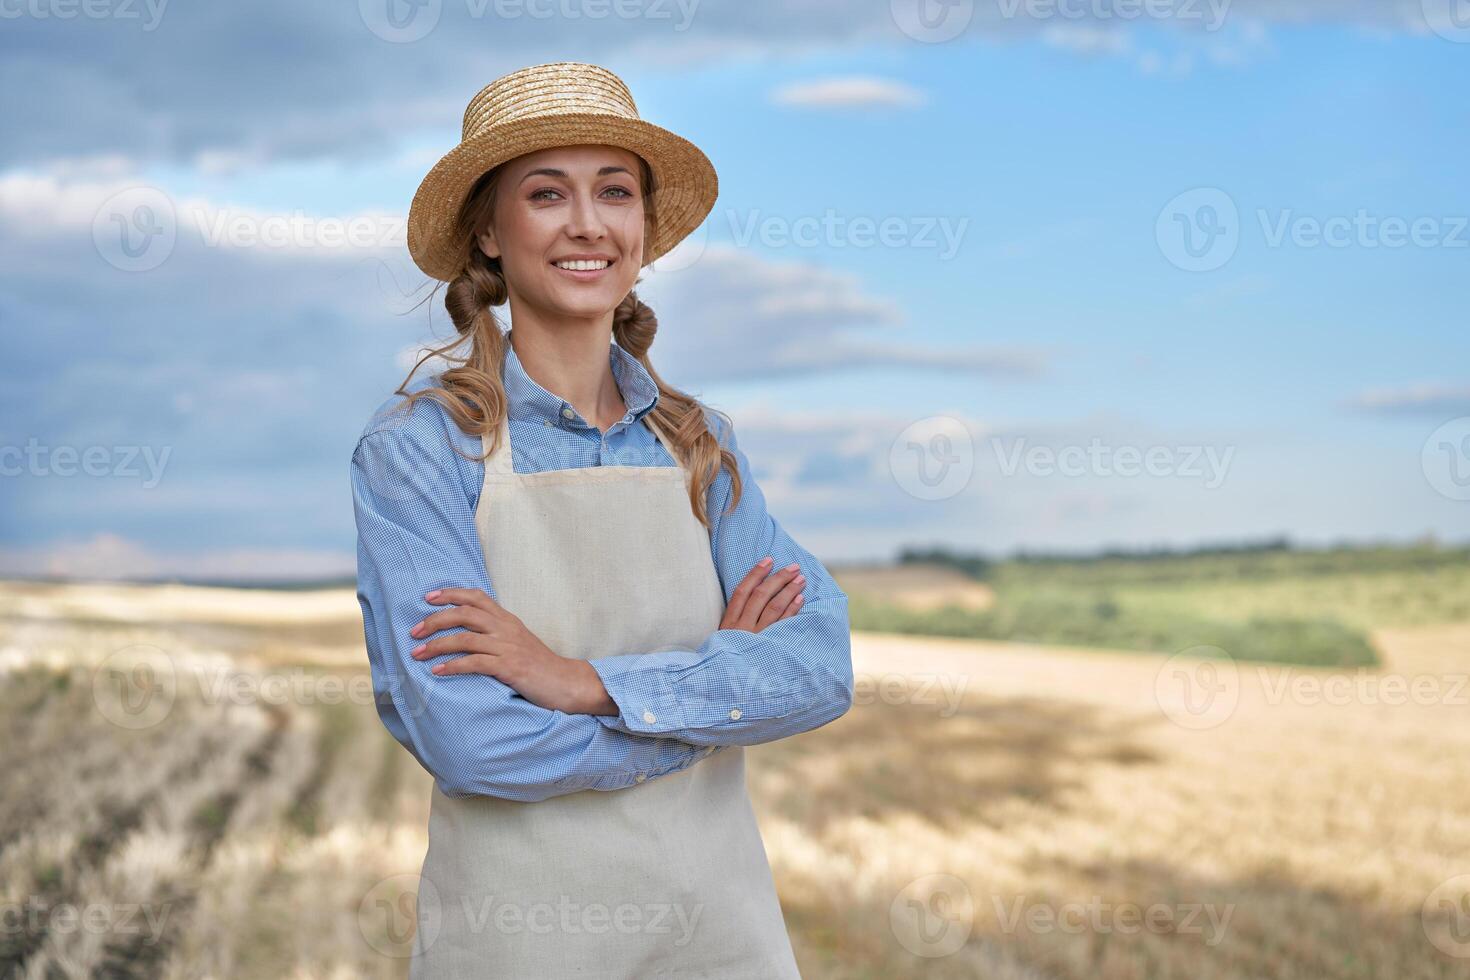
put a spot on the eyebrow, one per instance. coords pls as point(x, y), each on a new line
point(554, 172)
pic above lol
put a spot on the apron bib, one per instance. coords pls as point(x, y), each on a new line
point(667, 878)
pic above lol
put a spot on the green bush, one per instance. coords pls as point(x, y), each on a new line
point(1092, 620)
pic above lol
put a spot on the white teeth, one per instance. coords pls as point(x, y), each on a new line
point(583, 265)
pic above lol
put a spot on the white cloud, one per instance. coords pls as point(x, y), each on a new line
point(851, 92)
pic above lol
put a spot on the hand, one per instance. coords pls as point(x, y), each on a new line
point(760, 600)
point(496, 643)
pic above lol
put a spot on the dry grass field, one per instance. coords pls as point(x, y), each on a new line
point(196, 785)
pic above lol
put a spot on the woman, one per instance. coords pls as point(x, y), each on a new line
point(584, 718)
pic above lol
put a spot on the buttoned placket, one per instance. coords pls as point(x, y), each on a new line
point(605, 454)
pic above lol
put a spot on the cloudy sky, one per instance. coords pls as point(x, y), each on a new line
point(1049, 274)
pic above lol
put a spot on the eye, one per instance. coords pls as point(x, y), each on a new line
point(625, 194)
point(545, 190)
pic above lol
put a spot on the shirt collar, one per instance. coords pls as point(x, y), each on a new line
point(529, 402)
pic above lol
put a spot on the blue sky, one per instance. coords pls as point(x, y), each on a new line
point(1034, 293)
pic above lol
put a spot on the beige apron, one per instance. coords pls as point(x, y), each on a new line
point(667, 878)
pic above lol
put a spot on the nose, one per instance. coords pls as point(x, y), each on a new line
point(583, 219)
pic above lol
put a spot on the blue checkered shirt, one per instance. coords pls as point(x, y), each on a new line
point(414, 498)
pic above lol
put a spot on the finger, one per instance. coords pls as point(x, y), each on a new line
point(762, 594)
point(735, 608)
point(467, 616)
point(466, 642)
point(477, 598)
point(781, 601)
point(474, 663)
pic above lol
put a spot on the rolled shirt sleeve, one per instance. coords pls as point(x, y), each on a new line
point(472, 732)
point(739, 687)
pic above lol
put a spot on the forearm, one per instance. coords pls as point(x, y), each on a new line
point(738, 687)
point(476, 737)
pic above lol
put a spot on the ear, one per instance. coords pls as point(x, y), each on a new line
point(488, 244)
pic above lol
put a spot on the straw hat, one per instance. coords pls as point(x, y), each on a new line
point(556, 104)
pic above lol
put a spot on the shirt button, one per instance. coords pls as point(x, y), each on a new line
point(567, 413)
point(547, 422)
point(735, 713)
point(649, 717)
point(639, 778)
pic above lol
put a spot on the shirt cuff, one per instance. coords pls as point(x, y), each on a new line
point(646, 701)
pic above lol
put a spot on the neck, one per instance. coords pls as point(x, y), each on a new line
point(572, 363)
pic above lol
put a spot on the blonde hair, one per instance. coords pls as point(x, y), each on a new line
point(473, 393)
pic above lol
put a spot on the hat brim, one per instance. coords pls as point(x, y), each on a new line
point(684, 177)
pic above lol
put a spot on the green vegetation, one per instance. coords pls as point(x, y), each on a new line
point(1266, 601)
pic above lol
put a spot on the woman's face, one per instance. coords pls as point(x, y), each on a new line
point(565, 203)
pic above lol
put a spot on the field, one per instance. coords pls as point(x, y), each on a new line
point(197, 785)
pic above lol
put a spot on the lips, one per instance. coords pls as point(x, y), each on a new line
point(584, 275)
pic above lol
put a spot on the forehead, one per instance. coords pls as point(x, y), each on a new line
point(580, 160)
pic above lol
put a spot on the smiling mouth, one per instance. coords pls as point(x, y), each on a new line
point(585, 268)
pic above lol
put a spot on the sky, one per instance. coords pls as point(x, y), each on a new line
point(985, 274)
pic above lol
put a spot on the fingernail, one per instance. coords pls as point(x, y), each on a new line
point(799, 579)
point(419, 649)
point(800, 598)
point(792, 567)
point(764, 561)
point(433, 595)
